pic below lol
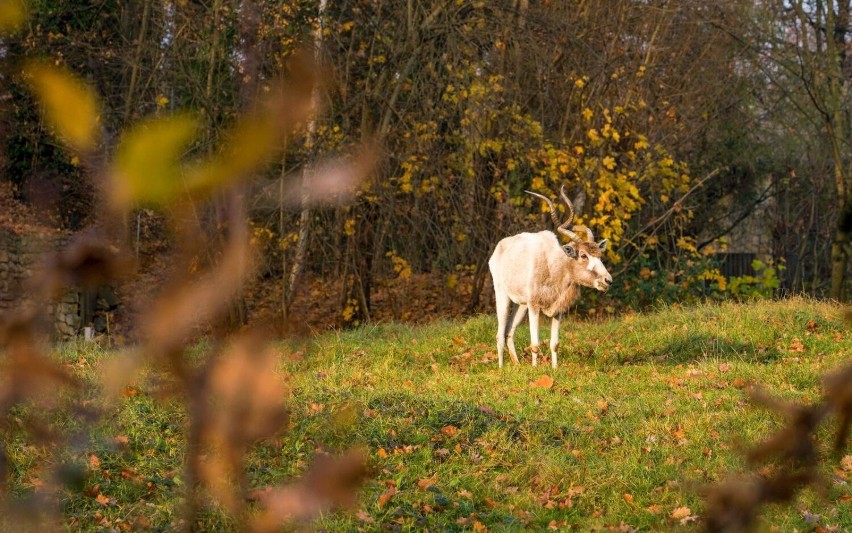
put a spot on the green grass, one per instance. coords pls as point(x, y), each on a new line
point(644, 411)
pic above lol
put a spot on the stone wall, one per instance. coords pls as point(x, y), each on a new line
point(21, 253)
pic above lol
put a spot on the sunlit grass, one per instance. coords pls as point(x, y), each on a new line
point(644, 411)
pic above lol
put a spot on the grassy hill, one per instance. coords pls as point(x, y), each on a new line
point(643, 412)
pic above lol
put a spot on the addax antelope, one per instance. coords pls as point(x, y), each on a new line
point(534, 274)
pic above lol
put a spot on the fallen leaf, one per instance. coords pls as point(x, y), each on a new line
point(450, 430)
point(101, 499)
point(94, 462)
point(679, 433)
point(544, 382)
point(724, 367)
point(427, 482)
point(681, 512)
point(386, 496)
point(846, 463)
point(330, 483)
point(796, 345)
point(466, 520)
point(382, 453)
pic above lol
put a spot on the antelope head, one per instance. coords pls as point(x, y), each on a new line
point(584, 250)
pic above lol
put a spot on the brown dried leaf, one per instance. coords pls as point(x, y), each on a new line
point(450, 430)
point(246, 403)
point(733, 504)
point(386, 496)
point(329, 183)
point(331, 483)
point(248, 392)
point(796, 346)
point(427, 482)
point(26, 372)
point(794, 441)
point(544, 382)
point(680, 512)
point(218, 471)
point(171, 321)
point(838, 392)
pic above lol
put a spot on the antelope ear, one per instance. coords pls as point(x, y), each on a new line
point(569, 250)
point(602, 245)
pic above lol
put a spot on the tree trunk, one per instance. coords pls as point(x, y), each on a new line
point(837, 126)
point(130, 104)
point(839, 260)
point(291, 278)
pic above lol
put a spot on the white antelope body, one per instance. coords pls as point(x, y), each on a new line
point(533, 273)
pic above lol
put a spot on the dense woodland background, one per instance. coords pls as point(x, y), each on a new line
point(675, 127)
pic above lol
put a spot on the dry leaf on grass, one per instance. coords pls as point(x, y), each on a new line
point(544, 382)
point(450, 430)
point(427, 482)
point(680, 512)
point(386, 496)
